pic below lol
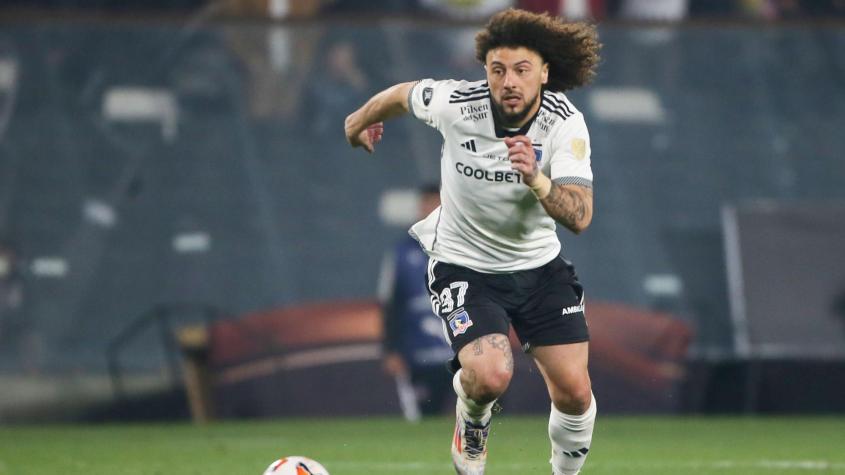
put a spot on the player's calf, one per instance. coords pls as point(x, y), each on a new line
point(571, 435)
point(487, 367)
point(472, 427)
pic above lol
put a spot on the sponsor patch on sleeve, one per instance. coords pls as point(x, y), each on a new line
point(579, 148)
point(427, 94)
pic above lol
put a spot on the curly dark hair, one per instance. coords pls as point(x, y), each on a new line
point(570, 49)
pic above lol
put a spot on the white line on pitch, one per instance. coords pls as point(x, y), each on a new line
point(770, 465)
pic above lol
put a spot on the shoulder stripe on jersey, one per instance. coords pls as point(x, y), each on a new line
point(573, 180)
point(559, 102)
point(472, 88)
point(557, 112)
point(562, 103)
point(470, 93)
point(552, 107)
point(468, 99)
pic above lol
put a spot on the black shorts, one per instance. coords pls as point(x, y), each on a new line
point(545, 305)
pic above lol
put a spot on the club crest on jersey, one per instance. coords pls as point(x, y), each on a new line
point(459, 322)
point(428, 93)
point(538, 152)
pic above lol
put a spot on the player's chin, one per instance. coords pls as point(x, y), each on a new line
point(514, 115)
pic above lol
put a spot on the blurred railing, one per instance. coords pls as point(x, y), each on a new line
point(165, 320)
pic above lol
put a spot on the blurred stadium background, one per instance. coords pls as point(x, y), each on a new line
point(185, 232)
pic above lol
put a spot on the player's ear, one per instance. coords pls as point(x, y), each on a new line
point(544, 74)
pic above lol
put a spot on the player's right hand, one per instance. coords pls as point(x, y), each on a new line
point(523, 157)
point(367, 138)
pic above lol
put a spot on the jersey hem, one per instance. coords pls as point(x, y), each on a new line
point(456, 262)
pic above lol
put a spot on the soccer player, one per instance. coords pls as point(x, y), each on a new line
point(516, 159)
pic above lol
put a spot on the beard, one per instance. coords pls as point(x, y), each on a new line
point(513, 119)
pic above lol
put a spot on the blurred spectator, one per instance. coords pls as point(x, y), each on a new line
point(569, 9)
point(768, 10)
point(339, 84)
point(466, 9)
point(472, 10)
point(110, 4)
point(11, 290)
point(654, 10)
point(798, 9)
point(18, 341)
point(415, 349)
point(368, 6)
point(677, 10)
point(272, 57)
point(272, 8)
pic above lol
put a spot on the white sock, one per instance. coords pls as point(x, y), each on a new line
point(571, 437)
point(470, 410)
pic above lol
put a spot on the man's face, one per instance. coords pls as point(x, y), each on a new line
point(515, 76)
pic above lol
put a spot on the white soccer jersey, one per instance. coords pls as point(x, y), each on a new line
point(489, 221)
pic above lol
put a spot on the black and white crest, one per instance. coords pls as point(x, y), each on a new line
point(427, 95)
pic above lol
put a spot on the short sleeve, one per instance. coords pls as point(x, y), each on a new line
point(429, 100)
point(570, 163)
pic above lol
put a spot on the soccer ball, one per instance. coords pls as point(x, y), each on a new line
point(295, 466)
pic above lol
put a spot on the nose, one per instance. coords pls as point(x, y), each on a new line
point(509, 78)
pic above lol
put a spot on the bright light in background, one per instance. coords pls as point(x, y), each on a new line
point(49, 266)
point(664, 285)
point(99, 213)
point(398, 207)
point(8, 74)
point(192, 242)
point(627, 104)
point(143, 104)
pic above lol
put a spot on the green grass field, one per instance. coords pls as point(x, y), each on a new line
point(518, 445)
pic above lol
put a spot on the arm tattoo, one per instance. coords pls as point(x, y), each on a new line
point(570, 205)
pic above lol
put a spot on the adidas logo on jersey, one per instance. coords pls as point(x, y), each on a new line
point(469, 145)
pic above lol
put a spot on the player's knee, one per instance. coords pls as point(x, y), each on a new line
point(574, 399)
point(490, 384)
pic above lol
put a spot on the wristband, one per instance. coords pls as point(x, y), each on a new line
point(542, 186)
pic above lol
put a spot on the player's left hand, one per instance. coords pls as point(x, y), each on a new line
point(522, 157)
point(367, 138)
